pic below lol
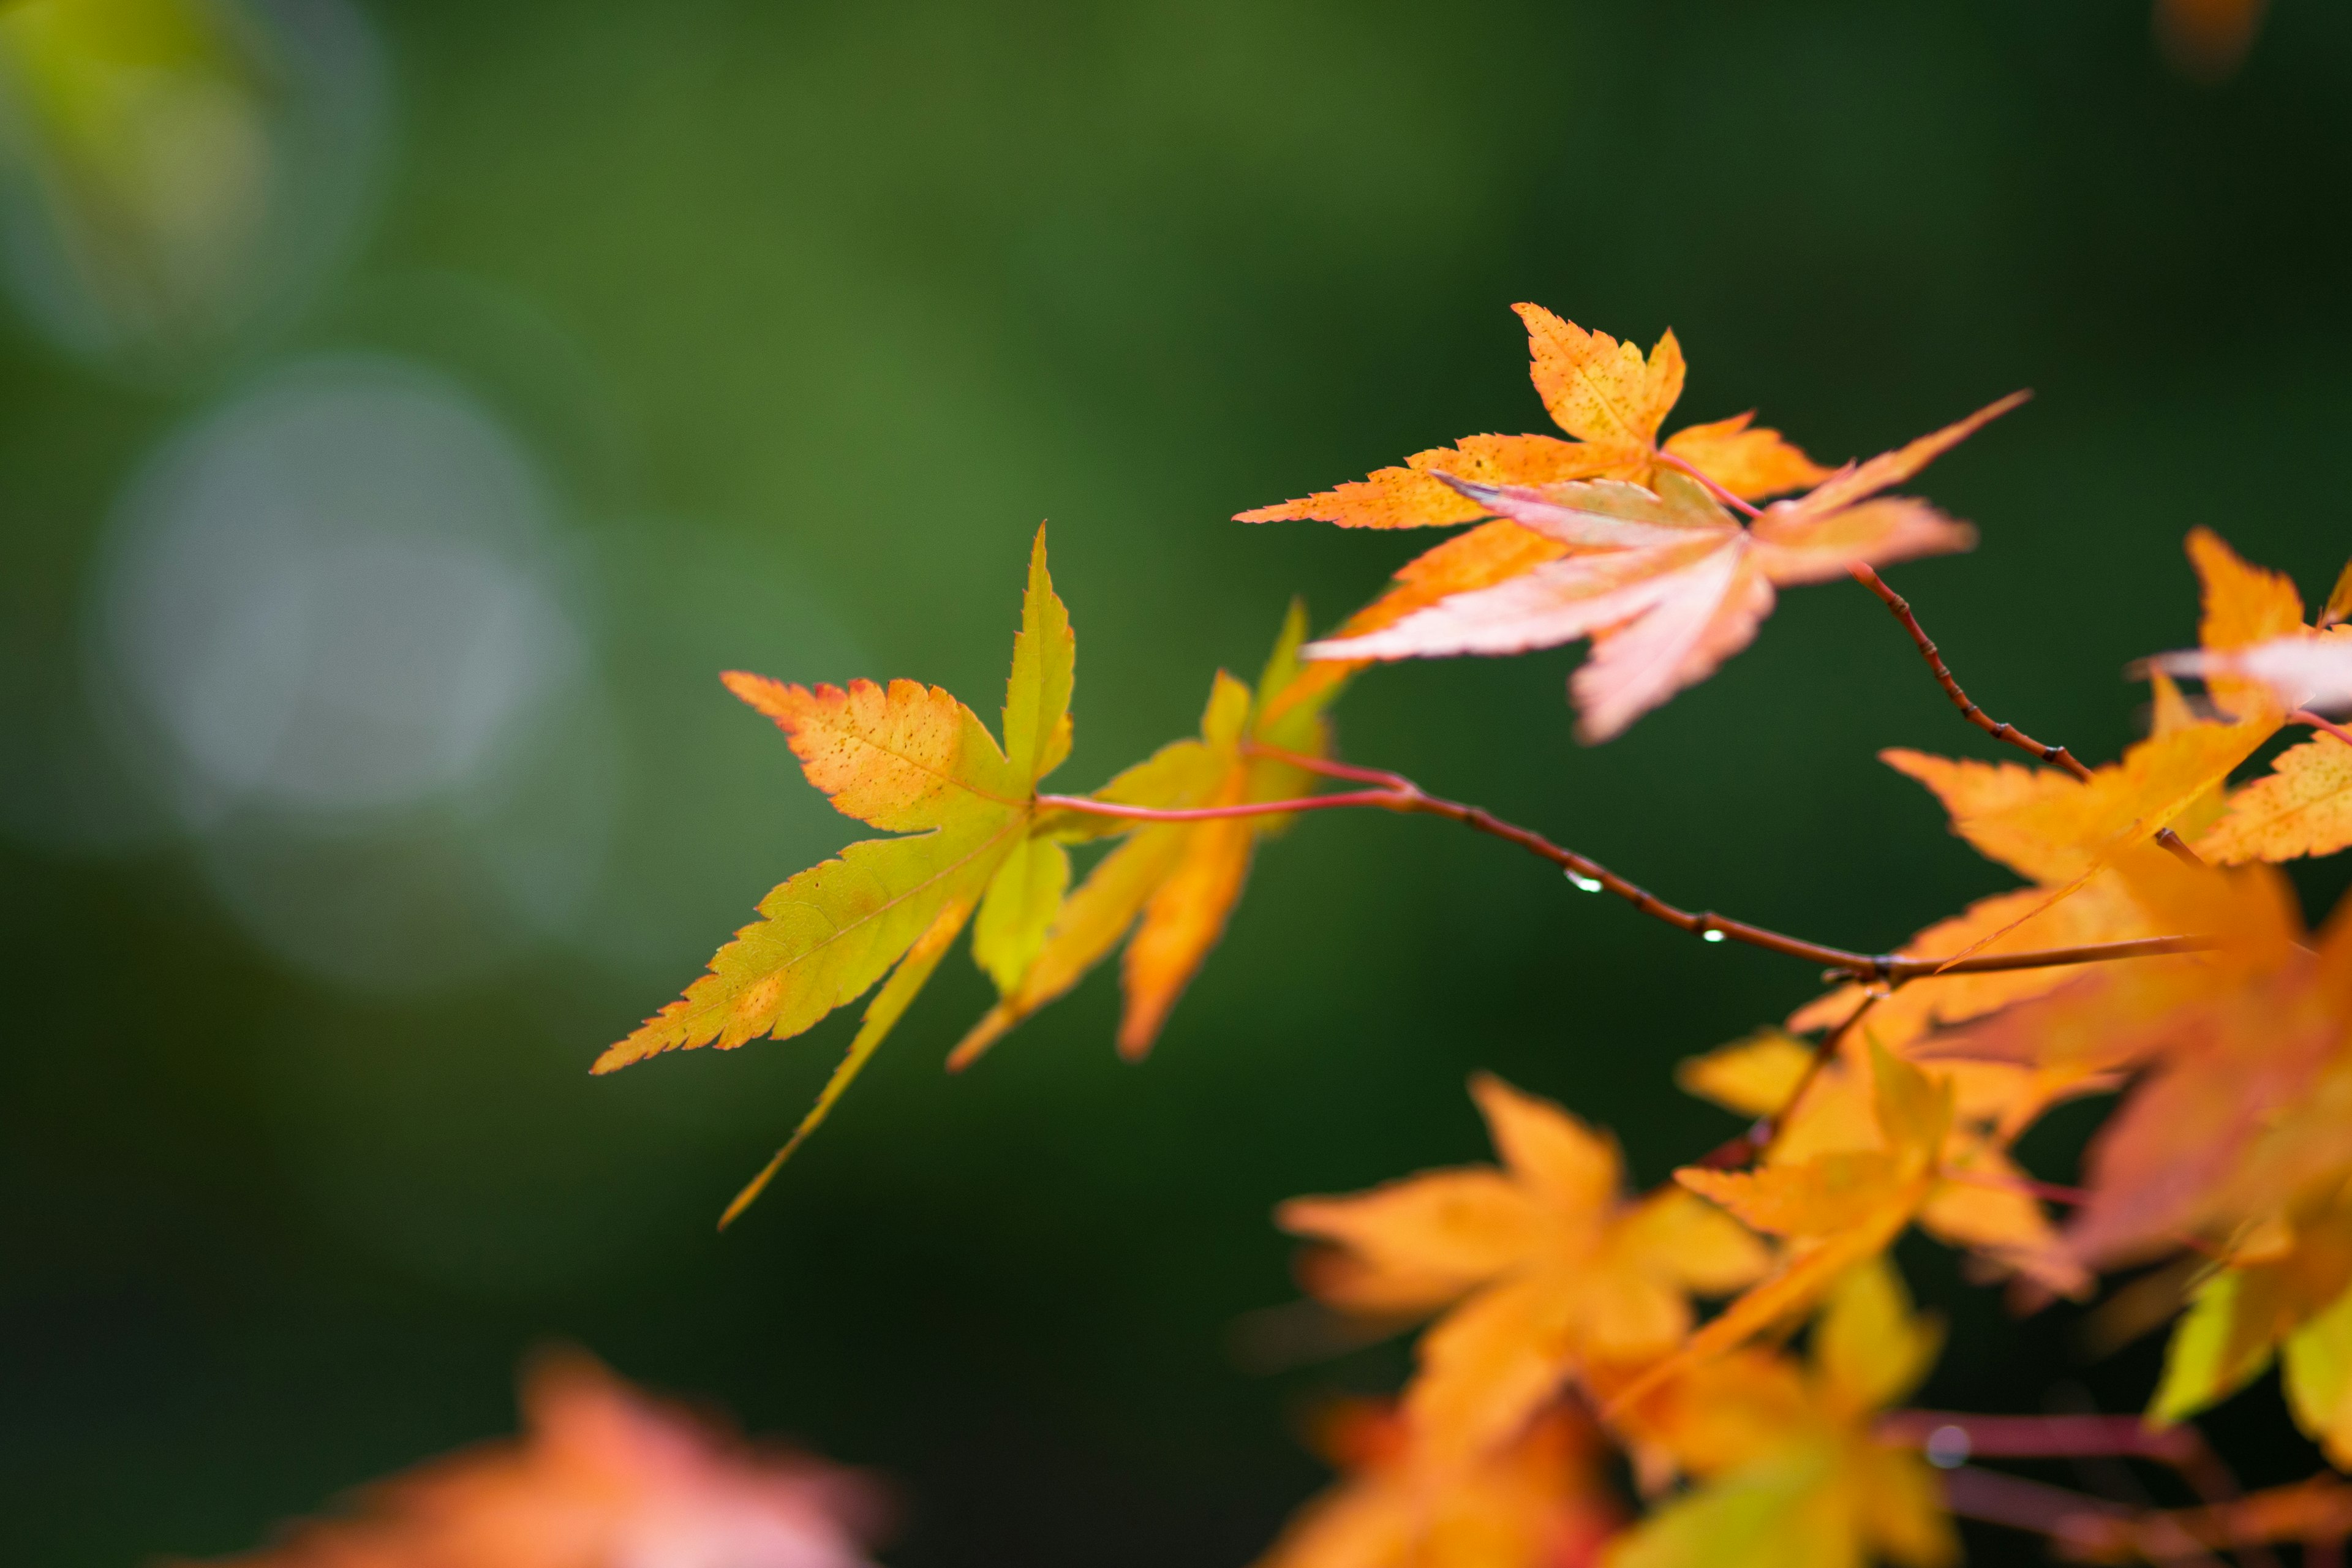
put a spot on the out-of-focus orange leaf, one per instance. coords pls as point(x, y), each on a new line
point(2208, 41)
point(1179, 879)
point(1789, 1469)
point(1538, 1501)
point(602, 1476)
point(1551, 1270)
point(1984, 1203)
point(2243, 1097)
point(1836, 1208)
point(1665, 580)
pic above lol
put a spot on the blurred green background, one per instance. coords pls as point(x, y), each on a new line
point(363, 364)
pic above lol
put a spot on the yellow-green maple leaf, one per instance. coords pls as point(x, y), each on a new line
point(912, 760)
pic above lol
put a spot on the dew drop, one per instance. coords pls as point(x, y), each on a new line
point(1948, 1447)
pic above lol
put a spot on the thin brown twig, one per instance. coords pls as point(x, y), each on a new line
point(2077, 1524)
point(2305, 716)
point(1758, 1141)
point(2183, 1448)
point(1999, 730)
point(1684, 464)
point(1394, 800)
point(2009, 734)
point(1399, 793)
point(2043, 1436)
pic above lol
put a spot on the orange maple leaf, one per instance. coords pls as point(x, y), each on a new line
point(1174, 882)
point(602, 1476)
point(1666, 582)
point(2061, 831)
point(1538, 1501)
point(1548, 1268)
point(2101, 909)
point(1600, 391)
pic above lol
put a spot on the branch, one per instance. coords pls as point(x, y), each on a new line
point(2305, 716)
point(1735, 1152)
point(2228, 1519)
point(1397, 792)
point(2317, 1512)
point(2078, 1526)
point(2057, 756)
point(1392, 799)
point(1684, 465)
point(1961, 1435)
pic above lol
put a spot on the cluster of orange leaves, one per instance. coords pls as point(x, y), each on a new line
point(1568, 1312)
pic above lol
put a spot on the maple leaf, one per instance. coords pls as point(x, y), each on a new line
point(1538, 1501)
point(2302, 807)
point(2051, 827)
point(2061, 831)
point(2243, 1094)
point(1549, 1268)
point(1984, 1203)
point(1179, 879)
point(911, 760)
point(1792, 1474)
point(1836, 1208)
point(2067, 835)
point(602, 1476)
point(1664, 580)
point(2099, 909)
point(1600, 391)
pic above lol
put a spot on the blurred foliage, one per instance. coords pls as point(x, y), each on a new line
point(808, 313)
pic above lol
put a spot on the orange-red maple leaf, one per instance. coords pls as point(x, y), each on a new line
point(602, 1477)
point(2065, 835)
point(1549, 1269)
